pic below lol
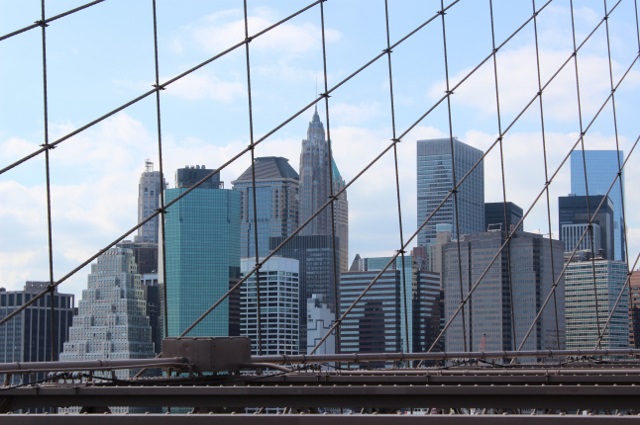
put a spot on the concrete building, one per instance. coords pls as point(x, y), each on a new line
point(319, 178)
point(512, 289)
point(149, 189)
point(320, 318)
point(315, 255)
point(28, 337)
point(279, 303)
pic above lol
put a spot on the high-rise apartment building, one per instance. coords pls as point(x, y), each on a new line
point(575, 213)
point(27, 337)
point(279, 303)
point(319, 178)
point(602, 167)
point(315, 256)
point(589, 304)
point(276, 203)
point(441, 165)
point(202, 243)
point(149, 189)
point(505, 303)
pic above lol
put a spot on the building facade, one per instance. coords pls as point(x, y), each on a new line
point(503, 216)
point(319, 179)
point(575, 213)
point(279, 304)
point(511, 290)
point(149, 189)
point(112, 321)
point(589, 304)
point(276, 197)
point(602, 170)
point(202, 231)
point(28, 336)
point(441, 165)
point(315, 255)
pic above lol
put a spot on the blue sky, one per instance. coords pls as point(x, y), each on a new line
point(102, 57)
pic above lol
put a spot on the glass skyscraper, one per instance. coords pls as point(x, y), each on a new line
point(575, 212)
point(436, 164)
point(602, 168)
point(202, 243)
point(584, 321)
point(276, 193)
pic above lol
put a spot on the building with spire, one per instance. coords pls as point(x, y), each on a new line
point(319, 179)
point(276, 196)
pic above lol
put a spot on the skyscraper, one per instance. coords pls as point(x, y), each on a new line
point(279, 299)
point(602, 168)
point(276, 193)
point(202, 231)
point(315, 256)
point(589, 304)
point(494, 215)
point(505, 303)
point(112, 321)
point(149, 188)
point(438, 160)
point(27, 337)
point(414, 299)
point(575, 213)
point(318, 179)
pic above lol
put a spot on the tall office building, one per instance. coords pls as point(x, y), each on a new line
point(505, 303)
point(112, 321)
point(320, 318)
point(634, 309)
point(149, 189)
point(438, 161)
point(276, 196)
point(202, 231)
point(27, 337)
point(575, 213)
point(315, 256)
point(602, 168)
point(418, 297)
point(504, 216)
point(279, 299)
point(589, 304)
point(319, 177)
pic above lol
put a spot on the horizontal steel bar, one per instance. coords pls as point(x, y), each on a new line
point(307, 419)
point(449, 355)
point(92, 365)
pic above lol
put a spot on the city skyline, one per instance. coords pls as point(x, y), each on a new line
point(205, 116)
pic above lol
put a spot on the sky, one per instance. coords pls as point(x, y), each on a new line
point(102, 57)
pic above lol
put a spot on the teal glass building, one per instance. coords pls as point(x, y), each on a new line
point(602, 169)
point(202, 256)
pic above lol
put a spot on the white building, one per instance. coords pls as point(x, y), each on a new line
point(279, 295)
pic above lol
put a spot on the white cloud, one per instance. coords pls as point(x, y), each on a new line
point(202, 86)
point(518, 84)
point(219, 31)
